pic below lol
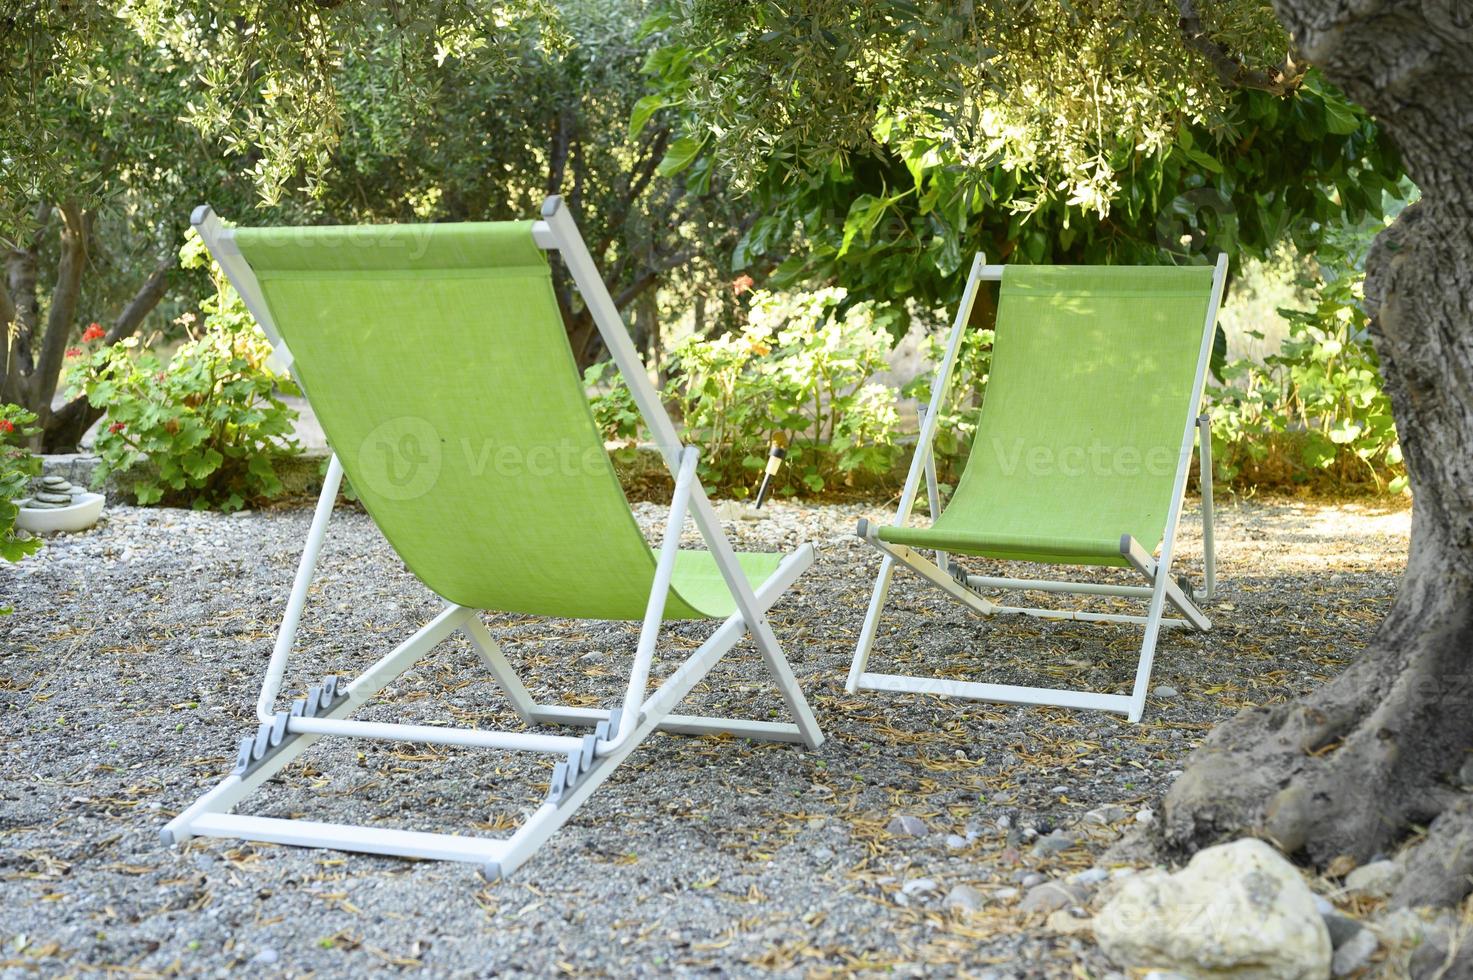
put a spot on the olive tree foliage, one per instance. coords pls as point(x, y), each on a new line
point(128, 113)
point(885, 141)
point(477, 136)
point(91, 151)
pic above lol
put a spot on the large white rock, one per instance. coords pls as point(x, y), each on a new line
point(1237, 910)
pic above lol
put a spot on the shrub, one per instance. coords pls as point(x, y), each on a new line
point(207, 429)
point(1315, 411)
point(18, 465)
point(962, 405)
point(800, 372)
point(614, 411)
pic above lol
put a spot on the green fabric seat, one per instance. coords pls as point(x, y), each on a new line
point(437, 363)
point(1081, 425)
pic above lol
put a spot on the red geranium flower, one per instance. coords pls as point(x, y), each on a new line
point(6, 425)
point(117, 427)
point(93, 332)
point(74, 352)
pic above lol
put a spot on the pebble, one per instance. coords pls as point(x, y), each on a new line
point(1166, 691)
point(1105, 815)
point(917, 886)
point(1053, 843)
point(1145, 817)
point(1354, 953)
point(965, 898)
point(905, 825)
point(956, 842)
point(1340, 927)
point(265, 957)
point(1375, 880)
point(1048, 897)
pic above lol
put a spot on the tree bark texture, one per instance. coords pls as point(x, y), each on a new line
point(1385, 747)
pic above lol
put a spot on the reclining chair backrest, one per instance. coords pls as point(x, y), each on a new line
point(436, 360)
point(1093, 374)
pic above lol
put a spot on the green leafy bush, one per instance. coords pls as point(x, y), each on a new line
point(18, 465)
point(1315, 411)
point(962, 405)
point(208, 428)
point(614, 411)
point(800, 372)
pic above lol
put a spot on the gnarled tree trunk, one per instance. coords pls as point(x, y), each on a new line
point(1386, 745)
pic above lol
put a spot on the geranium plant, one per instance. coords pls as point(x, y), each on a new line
point(18, 465)
point(206, 429)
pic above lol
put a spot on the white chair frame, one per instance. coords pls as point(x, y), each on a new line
point(586, 761)
point(964, 589)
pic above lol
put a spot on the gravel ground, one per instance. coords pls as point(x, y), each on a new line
point(130, 667)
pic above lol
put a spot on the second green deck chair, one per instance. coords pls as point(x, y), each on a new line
point(439, 367)
point(1080, 458)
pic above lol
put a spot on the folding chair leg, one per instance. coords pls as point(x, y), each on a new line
point(787, 683)
point(510, 684)
point(871, 624)
point(1148, 646)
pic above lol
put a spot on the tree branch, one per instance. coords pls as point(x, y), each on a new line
point(7, 335)
point(1229, 68)
point(64, 296)
point(65, 428)
point(144, 300)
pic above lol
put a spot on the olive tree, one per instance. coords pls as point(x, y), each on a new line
point(1069, 99)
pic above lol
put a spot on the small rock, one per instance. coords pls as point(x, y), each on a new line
point(822, 855)
point(1105, 815)
point(1048, 897)
point(965, 898)
point(1029, 879)
point(1354, 953)
point(1004, 822)
point(905, 825)
point(1465, 774)
point(1054, 843)
point(1166, 691)
point(956, 842)
point(917, 886)
point(1375, 880)
point(1237, 909)
point(1005, 894)
point(1059, 790)
point(265, 957)
point(1340, 927)
point(1089, 876)
point(1145, 816)
point(1066, 923)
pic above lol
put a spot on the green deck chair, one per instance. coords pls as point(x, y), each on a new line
point(439, 368)
point(1080, 458)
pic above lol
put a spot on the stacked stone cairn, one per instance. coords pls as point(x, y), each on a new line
point(53, 493)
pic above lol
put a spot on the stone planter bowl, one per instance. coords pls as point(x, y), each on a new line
point(81, 514)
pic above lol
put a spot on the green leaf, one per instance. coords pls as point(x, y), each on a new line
point(682, 154)
point(1340, 119)
point(641, 113)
